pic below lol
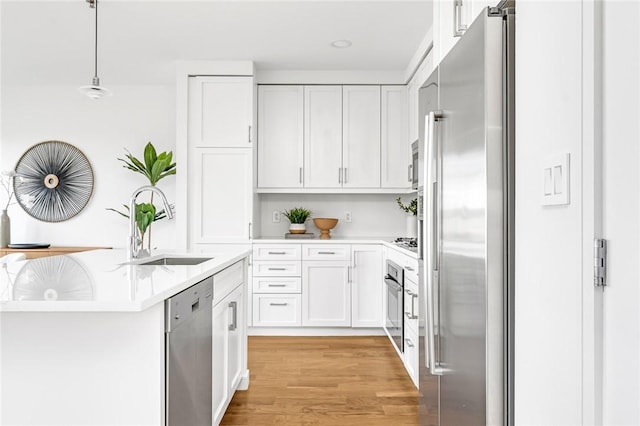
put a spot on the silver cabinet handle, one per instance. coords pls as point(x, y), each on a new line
point(458, 27)
point(249, 230)
point(277, 285)
point(345, 175)
point(277, 252)
point(249, 133)
point(278, 304)
point(326, 252)
point(410, 176)
point(409, 342)
point(300, 175)
point(340, 175)
point(234, 305)
point(409, 268)
point(277, 269)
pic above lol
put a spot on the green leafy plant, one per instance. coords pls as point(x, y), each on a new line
point(297, 215)
point(144, 217)
point(412, 207)
point(154, 167)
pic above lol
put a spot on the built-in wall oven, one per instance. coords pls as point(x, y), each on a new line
point(394, 311)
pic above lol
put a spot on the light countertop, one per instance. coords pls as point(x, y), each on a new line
point(100, 281)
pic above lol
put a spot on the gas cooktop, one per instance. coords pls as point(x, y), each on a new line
point(410, 244)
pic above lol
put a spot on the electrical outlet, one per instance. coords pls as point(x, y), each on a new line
point(347, 216)
point(275, 216)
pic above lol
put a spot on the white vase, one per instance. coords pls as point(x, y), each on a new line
point(297, 228)
point(5, 229)
point(412, 226)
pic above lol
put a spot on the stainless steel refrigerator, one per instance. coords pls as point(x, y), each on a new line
point(467, 141)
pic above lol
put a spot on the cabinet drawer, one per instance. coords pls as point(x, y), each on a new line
point(267, 268)
point(277, 285)
point(326, 252)
point(226, 280)
point(410, 269)
point(411, 307)
point(271, 310)
point(410, 357)
point(277, 252)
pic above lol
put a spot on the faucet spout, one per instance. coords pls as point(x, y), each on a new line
point(134, 248)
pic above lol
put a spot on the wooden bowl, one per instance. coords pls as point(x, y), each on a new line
point(325, 225)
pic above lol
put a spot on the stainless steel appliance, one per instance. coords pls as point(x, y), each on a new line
point(394, 310)
point(407, 243)
point(188, 353)
point(466, 274)
point(414, 169)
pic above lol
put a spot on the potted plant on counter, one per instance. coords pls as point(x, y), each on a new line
point(297, 216)
point(412, 220)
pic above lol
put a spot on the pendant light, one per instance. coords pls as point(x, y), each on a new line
point(95, 91)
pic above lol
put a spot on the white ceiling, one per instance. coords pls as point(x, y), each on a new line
point(51, 42)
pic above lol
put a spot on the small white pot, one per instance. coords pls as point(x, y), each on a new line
point(412, 226)
point(297, 228)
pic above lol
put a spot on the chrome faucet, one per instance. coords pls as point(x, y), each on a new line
point(134, 249)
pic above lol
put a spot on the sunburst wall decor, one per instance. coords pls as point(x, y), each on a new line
point(54, 181)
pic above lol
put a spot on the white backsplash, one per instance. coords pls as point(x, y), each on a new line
point(374, 215)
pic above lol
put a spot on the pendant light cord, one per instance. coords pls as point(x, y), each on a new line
point(95, 63)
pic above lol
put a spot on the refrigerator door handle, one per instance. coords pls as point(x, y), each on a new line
point(434, 164)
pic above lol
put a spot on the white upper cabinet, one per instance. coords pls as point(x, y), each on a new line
point(221, 201)
point(395, 142)
point(220, 111)
point(361, 136)
point(327, 138)
point(280, 136)
point(451, 18)
point(322, 136)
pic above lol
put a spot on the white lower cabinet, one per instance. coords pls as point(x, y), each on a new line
point(366, 285)
point(326, 293)
point(410, 355)
point(229, 342)
point(276, 310)
point(317, 285)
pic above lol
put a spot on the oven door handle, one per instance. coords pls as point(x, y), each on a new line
point(390, 282)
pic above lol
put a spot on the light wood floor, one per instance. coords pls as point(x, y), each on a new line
point(324, 381)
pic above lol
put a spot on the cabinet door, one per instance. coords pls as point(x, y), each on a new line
point(366, 286)
point(222, 195)
point(237, 337)
point(395, 143)
point(323, 136)
point(361, 136)
point(326, 293)
point(220, 111)
point(280, 136)
point(220, 350)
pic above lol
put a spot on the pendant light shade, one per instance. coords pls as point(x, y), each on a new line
point(95, 91)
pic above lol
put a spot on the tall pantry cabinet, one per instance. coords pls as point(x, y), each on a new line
point(220, 148)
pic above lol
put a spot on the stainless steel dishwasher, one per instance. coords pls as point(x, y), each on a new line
point(188, 330)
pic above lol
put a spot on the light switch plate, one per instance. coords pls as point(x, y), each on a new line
point(275, 216)
point(555, 180)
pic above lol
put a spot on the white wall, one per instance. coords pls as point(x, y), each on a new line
point(374, 215)
point(101, 129)
point(548, 293)
point(622, 212)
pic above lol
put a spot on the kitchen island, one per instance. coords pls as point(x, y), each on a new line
point(83, 336)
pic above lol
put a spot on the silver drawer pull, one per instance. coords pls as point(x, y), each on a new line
point(409, 343)
point(277, 269)
point(409, 316)
point(409, 292)
point(326, 252)
point(277, 285)
point(409, 268)
point(277, 252)
point(278, 304)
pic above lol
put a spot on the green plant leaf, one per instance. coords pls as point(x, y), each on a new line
point(149, 156)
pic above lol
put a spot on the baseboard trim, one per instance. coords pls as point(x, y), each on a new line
point(314, 331)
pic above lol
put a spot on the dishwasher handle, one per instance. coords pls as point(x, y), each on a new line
point(180, 308)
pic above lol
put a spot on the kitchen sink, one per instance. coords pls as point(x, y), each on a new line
point(177, 261)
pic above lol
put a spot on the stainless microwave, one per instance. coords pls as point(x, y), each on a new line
point(415, 155)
